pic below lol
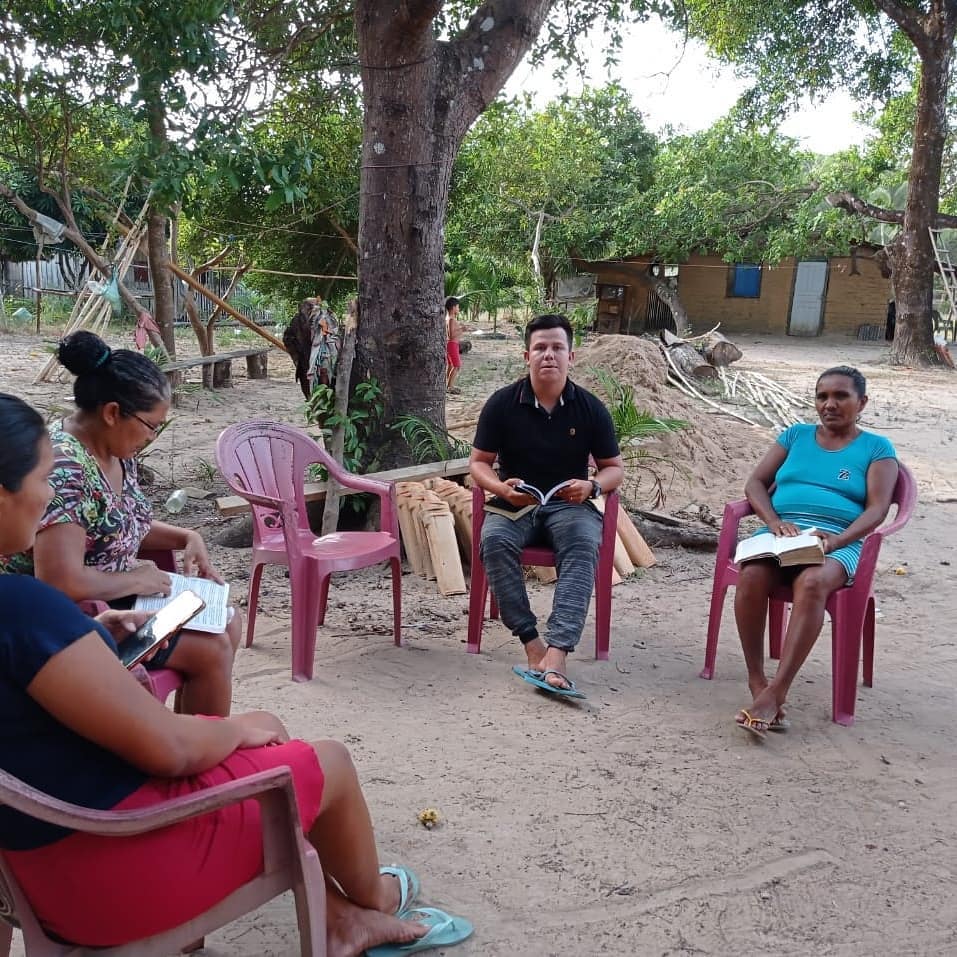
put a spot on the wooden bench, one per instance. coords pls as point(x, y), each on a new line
point(218, 369)
point(314, 491)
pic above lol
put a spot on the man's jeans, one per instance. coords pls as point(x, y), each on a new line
point(574, 534)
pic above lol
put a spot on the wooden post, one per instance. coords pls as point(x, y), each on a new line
point(330, 516)
point(256, 365)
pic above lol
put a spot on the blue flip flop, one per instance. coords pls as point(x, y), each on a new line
point(444, 931)
point(537, 678)
point(409, 885)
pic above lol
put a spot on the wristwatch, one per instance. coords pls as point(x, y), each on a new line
point(595, 489)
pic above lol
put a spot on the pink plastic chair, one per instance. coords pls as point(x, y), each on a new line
point(289, 863)
point(265, 463)
point(162, 682)
point(851, 609)
point(540, 555)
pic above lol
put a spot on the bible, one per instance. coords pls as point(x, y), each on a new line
point(211, 619)
point(543, 497)
point(803, 549)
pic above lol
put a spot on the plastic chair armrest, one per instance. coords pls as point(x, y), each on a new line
point(41, 806)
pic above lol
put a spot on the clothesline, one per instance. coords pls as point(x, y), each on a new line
point(279, 272)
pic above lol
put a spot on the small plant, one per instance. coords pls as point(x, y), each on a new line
point(429, 442)
point(205, 472)
point(358, 424)
point(632, 427)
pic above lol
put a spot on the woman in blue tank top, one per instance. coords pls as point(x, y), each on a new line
point(833, 477)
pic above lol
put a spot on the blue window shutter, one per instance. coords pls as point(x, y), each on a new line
point(747, 281)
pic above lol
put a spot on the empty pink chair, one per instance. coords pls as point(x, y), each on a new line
point(265, 463)
point(541, 555)
point(851, 608)
point(289, 863)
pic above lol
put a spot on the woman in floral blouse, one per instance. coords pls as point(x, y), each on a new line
point(99, 518)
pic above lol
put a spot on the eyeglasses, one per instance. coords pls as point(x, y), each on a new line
point(155, 429)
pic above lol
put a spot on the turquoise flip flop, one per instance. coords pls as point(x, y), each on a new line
point(444, 931)
point(537, 678)
point(409, 885)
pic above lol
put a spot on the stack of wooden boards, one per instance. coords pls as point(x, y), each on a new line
point(435, 522)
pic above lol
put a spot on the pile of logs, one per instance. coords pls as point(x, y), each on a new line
point(435, 523)
point(758, 399)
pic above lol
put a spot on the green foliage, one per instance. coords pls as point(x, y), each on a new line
point(569, 165)
point(429, 442)
point(632, 427)
point(359, 423)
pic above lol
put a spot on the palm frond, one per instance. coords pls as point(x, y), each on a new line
point(429, 442)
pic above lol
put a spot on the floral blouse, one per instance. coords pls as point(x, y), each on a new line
point(115, 523)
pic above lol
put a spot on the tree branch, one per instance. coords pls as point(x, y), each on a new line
point(854, 204)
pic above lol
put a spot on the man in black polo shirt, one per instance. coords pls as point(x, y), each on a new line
point(542, 430)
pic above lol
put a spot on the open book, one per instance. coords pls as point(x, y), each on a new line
point(212, 618)
point(543, 497)
point(803, 549)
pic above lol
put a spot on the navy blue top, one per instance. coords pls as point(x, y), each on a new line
point(38, 622)
point(545, 448)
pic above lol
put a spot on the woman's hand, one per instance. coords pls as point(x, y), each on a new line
point(784, 529)
point(196, 561)
point(149, 580)
point(122, 624)
point(828, 542)
point(259, 728)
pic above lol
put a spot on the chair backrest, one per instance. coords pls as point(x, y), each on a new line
point(269, 460)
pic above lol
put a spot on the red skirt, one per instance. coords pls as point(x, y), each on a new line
point(103, 891)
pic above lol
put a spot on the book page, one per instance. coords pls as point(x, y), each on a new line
point(758, 546)
point(211, 619)
point(542, 497)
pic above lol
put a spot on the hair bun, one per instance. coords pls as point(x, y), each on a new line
point(82, 352)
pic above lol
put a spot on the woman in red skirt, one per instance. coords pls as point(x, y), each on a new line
point(76, 724)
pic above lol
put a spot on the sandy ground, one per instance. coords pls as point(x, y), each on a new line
point(640, 821)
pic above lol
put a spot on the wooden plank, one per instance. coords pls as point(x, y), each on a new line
point(181, 364)
point(316, 491)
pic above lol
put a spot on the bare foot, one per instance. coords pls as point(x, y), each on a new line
point(554, 660)
point(351, 930)
point(390, 893)
point(535, 652)
point(765, 708)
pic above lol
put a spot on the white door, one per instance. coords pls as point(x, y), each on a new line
point(807, 303)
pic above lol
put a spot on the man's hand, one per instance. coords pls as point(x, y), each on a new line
point(518, 499)
point(196, 560)
point(576, 491)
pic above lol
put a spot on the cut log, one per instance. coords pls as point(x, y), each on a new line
point(635, 545)
point(691, 363)
point(682, 534)
point(443, 548)
point(622, 562)
point(720, 351)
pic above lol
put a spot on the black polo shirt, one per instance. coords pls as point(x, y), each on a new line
point(545, 448)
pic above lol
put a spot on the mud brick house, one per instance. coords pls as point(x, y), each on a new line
point(806, 297)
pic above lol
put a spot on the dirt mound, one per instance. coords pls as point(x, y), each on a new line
point(705, 464)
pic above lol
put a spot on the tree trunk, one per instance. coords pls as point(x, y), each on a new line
point(157, 242)
point(420, 96)
point(913, 261)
